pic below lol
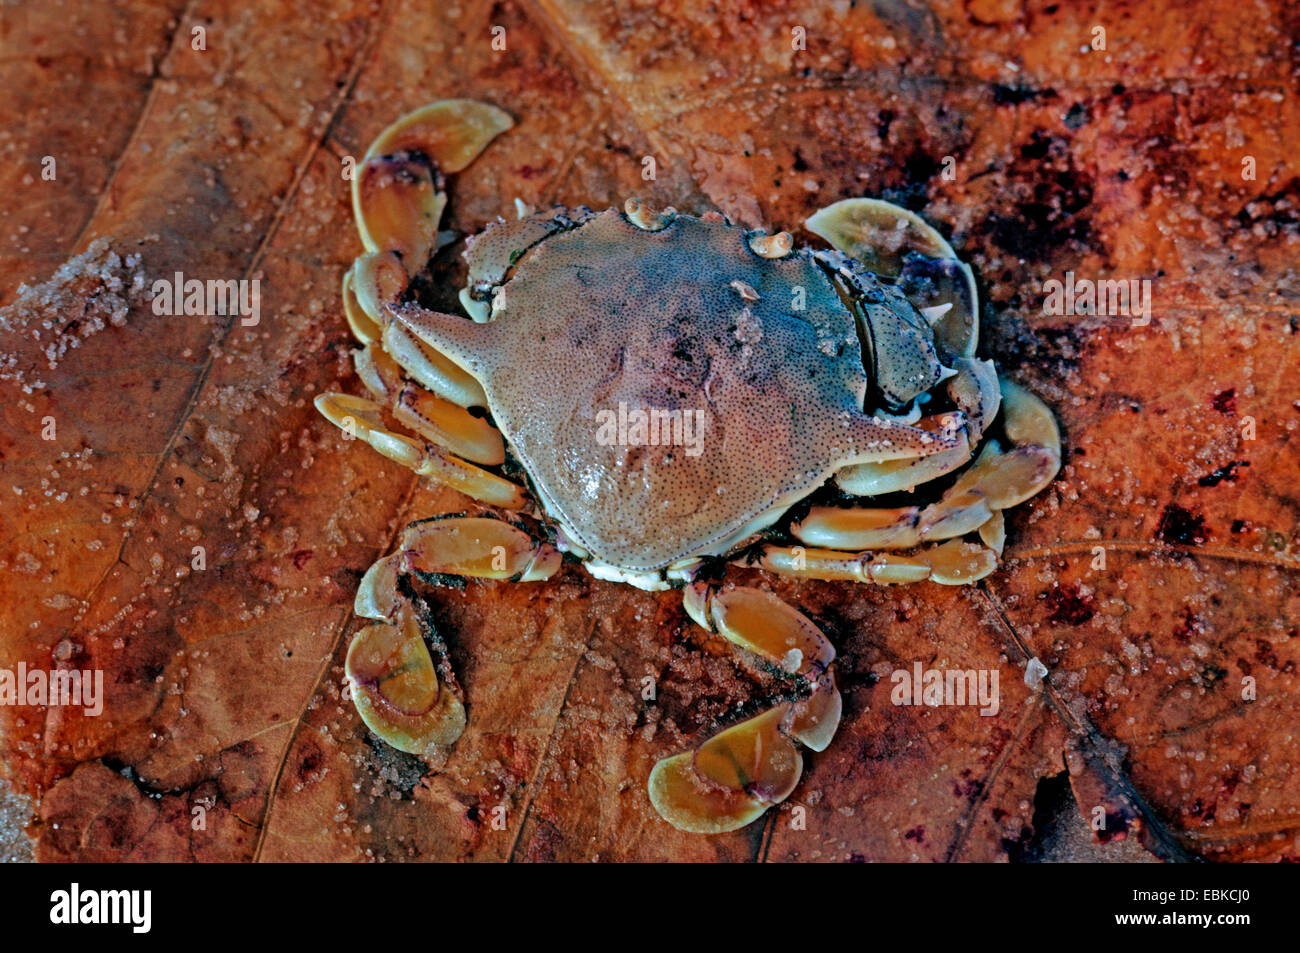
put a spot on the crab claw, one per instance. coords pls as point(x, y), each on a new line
point(754, 757)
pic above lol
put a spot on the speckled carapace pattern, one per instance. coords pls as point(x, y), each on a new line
point(610, 315)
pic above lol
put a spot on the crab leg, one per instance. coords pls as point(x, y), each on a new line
point(371, 288)
point(361, 417)
point(974, 389)
point(997, 481)
point(396, 689)
point(443, 422)
point(736, 775)
point(954, 563)
point(901, 528)
point(462, 546)
point(398, 199)
point(378, 280)
point(395, 683)
point(447, 424)
point(363, 327)
point(432, 369)
point(397, 193)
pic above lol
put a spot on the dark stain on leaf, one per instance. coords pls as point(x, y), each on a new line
point(1181, 527)
point(1226, 472)
point(1068, 605)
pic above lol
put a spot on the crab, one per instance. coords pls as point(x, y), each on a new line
point(661, 396)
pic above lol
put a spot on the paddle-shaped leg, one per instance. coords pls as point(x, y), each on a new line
point(404, 698)
point(736, 775)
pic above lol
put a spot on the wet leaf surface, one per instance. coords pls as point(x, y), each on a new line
point(1155, 579)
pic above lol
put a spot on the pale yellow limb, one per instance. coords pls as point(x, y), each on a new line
point(361, 417)
point(394, 682)
point(397, 692)
point(953, 563)
point(450, 426)
point(378, 280)
point(737, 774)
point(398, 206)
point(432, 369)
point(974, 389)
point(396, 193)
point(364, 329)
point(996, 481)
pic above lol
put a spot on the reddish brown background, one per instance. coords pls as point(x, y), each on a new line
point(224, 685)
